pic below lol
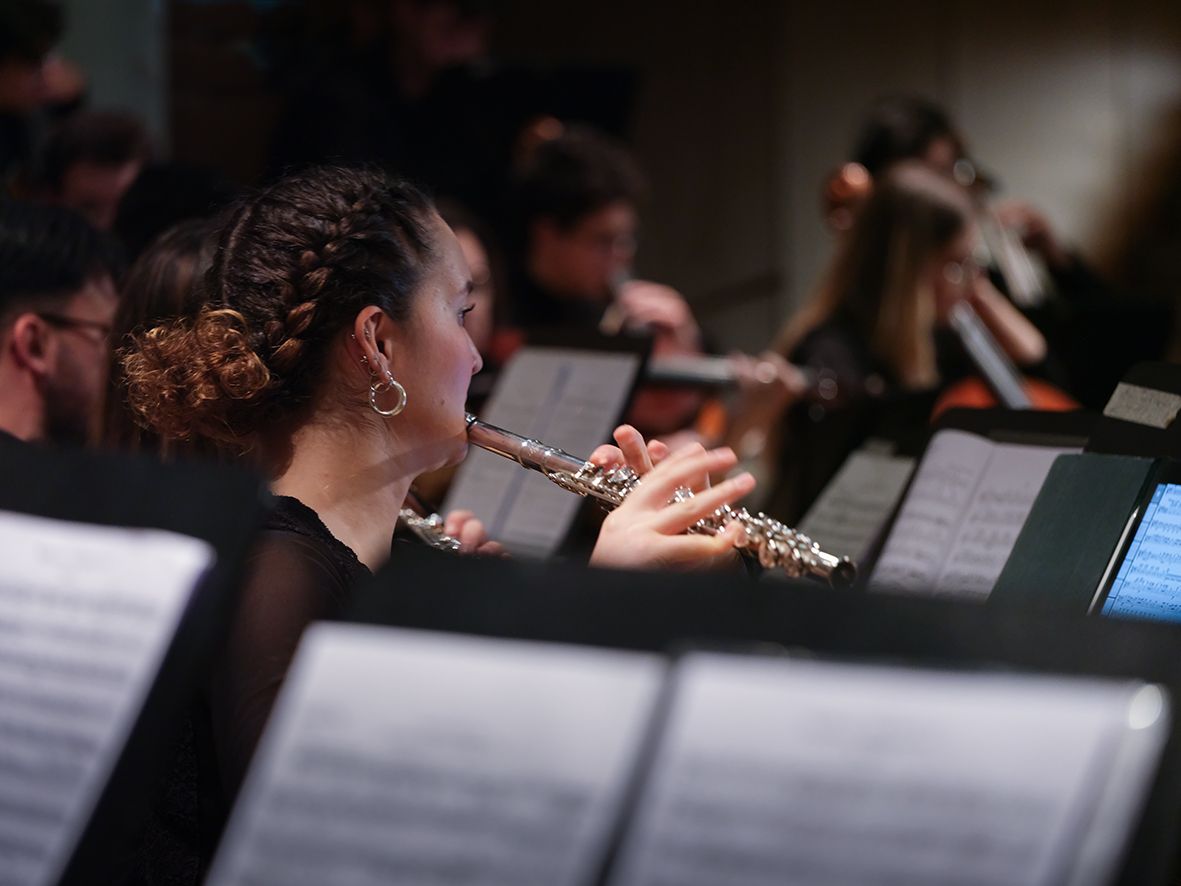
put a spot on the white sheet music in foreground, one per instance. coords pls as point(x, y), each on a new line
point(773, 772)
point(564, 398)
point(408, 757)
point(962, 515)
point(86, 614)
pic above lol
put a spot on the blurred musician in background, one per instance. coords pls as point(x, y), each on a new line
point(90, 161)
point(877, 327)
point(901, 128)
point(485, 260)
point(29, 30)
point(163, 283)
point(1077, 304)
point(577, 200)
point(57, 304)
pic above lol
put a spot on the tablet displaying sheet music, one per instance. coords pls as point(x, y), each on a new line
point(1147, 581)
point(961, 515)
point(86, 616)
point(568, 398)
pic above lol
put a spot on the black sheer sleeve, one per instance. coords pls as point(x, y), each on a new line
point(291, 582)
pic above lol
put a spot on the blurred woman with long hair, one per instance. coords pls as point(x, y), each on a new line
point(876, 333)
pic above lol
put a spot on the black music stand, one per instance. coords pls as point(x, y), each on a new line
point(661, 612)
point(221, 506)
point(1140, 418)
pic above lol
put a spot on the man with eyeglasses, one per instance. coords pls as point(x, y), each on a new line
point(57, 305)
point(577, 198)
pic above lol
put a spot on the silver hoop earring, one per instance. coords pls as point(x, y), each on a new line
point(377, 388)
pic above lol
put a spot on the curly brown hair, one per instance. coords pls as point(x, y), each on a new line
point(293, 266)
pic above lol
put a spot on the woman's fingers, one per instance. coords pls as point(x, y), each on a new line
point(469, 531)
point(635, 451)
point(632, 451)
point(689, 468)
point(657, 451)
point(472, 535)
point(454, 522)
point(606, 456)
point(697, 551)
point(680, 516)
point(492, 549)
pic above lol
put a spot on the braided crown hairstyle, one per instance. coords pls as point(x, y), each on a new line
point(294, 266)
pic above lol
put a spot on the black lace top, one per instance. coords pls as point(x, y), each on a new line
point(298, 573)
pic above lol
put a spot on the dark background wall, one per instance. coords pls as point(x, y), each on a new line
point(741, 109)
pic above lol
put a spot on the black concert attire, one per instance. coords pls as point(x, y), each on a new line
point(299, 573)
point(868, 402)
point(1083, 309)
point(536, 307)
point(16, 148)
point(819, 434)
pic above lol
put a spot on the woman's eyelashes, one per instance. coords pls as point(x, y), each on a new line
point(464, 312)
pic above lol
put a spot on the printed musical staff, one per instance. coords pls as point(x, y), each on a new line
point(962, 516)
point(86, 613)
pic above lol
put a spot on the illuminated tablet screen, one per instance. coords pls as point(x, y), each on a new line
point(1148, 584)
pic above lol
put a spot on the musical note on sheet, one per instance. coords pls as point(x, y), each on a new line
point(857, 502)
point(1148, 583)
point(565, 398)
point(86, 614)
point(781, 771)
point(962, 515)
point(408, 757)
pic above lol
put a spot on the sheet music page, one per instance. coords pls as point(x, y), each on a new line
point(411, 757)
point(86, 615)
point(929, 519)
point(565, 398)
point(1010, 483)
point(855, 505)
point(773, 772)
point(962, 515)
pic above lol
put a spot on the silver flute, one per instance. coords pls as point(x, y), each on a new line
point(428, 529)
point(776, 545)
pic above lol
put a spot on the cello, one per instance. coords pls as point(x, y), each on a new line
point(999, 382)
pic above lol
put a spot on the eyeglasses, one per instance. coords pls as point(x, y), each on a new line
point(75, 323)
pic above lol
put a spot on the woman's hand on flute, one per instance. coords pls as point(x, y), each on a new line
point(648, 530)
point(473, 538)
point(632, 451)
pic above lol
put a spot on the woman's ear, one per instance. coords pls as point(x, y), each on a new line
point(372, 339)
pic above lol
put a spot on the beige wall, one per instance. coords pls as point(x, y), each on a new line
point(1061, 100)
point(749, 103)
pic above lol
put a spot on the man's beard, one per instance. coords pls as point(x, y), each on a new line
point(69, 405)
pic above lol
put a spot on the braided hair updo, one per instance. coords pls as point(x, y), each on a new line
point(294, 266)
